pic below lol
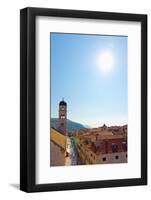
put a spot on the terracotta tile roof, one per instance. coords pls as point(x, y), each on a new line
point(57, 138)
point(108, 137)
point(106, 133)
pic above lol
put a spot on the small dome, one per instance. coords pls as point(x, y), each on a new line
point(62, 103)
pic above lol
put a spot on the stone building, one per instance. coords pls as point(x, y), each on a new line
point(102, 146)
point(57, 148)
point(58, 138)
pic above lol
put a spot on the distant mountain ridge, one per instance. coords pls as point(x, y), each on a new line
point(71, 125)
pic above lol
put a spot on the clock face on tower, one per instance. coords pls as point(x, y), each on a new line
point(62, 108)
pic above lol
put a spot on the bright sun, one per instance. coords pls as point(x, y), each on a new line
point(106, 61)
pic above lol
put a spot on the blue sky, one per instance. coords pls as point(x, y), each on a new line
point(90, 72)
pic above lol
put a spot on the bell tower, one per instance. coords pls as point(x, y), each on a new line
point(62, 122)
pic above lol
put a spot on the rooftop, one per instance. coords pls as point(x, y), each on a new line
point(62, 103)
point(58, 138)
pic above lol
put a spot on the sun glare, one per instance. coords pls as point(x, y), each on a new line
point(106, 61)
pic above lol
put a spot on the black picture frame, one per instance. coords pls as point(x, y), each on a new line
point(28, 99)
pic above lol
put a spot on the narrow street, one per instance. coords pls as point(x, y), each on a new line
point(71, 152)
point(74, 156)
point(68, 152)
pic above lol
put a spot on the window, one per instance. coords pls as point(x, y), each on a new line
point(116, 157)
point(62, 117)
point(114, 148)
point(104, 159)
point(124, 145)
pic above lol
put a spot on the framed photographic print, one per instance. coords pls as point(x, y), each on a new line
point(83, 99)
